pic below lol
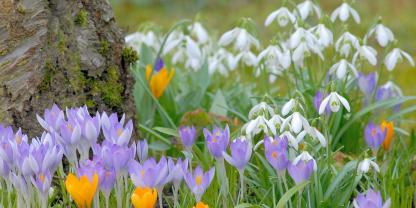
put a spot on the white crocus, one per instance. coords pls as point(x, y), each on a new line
point(297, 123)
point(334, 100)
point(261, 109)
point(288, 106)
point(259, 124)
point(346, 43)
point(306, 8)
point(343, 13)
point(305, 156)
point(283, 16)
point(365, 165)
point(366, 52)
point(341, 68)
point(383, 34)
point(199, 32)
point(396, 56)
point(314, 133)
point(242, 38)
point(323, 34)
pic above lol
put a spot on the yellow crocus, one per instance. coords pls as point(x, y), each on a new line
point(144, 197)
point(158, 80)
point(82, 190)
point(201, 205)
point(389, 128)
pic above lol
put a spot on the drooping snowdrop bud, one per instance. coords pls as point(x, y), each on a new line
point(288, 106)
point(371, 199)
point(334, 100)
point(283, 16)
point(261, 109)
point(396, 56)
point(346, 43)
point(343, 13)
point(243, 39)
point(302, 167)
point(341, 68)
point(366, 52)
point(365, 165)
point(383, 34)
point(367, 83)
point(297, 123)
point(307, 7)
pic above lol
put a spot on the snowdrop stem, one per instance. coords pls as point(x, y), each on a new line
point(300, 198)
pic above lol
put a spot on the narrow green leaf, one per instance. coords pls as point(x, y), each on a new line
point(219, 104)
point(335, 183)
point(168, 131)
point(286, 197)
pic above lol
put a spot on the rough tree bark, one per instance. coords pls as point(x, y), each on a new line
point(68, 52)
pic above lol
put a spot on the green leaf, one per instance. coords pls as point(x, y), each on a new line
point(168, 131)
point(336, 182)
point(286, 197)
point(146, 55)
point(219, 105)
point(159, 146)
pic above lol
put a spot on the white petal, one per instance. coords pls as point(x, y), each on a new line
point(344, 102)
point(270, 18)
point(287, 107)
point(296, 123)
point(323, 105)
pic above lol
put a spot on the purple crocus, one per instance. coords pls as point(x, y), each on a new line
point(317, 100)
point(374, 136)
point(159, 64)
point(115, 156)
point(241, 150)
point(142, 150)
point(115, 130)
point(371, 200)
point(275, 151)
point(217, 141)
point(176, 170)
point(199, 181)
point(367, 83)
point(53, 118)
point(149, 174)
point(302, 167)
point(187, 135)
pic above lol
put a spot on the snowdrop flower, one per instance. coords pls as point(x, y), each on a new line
point(341, 68)
point(292, 140)
point(288, 106)
point(367, 83)
point(199, 32)
point(149, 38)
point(305, 157)
point(283, 16)
point(276, 121)
point(297, 123)
point(307, 7)
point(366, 52)
point(195, 55)
point(271, 55)
point(243, 39)
point(334, 100)
point(383, 34)
point(247, 57)
point(303, 42)
point(259, 124)
point(261, 109)
point(387, 91)
point(365, 165)
point(314, 133)
point(343, 13)
point(396, 55)
point(174, 40)
point(346, 43)
point(323, 34)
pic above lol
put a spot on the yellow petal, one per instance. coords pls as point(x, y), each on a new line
point(389, 128)
point(201, 205)
point(144, 197)
point(148, 71)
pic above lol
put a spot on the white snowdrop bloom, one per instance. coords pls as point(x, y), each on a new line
point(286, 58)
point(301, 35)
point(199, 32)
point(180, 55)
point(303, 49)
point(303, 42)
point(383, 34)
point(297, 123)
point(323, 34)
point(273, 59)
point(365, 165)
point(314, 133)
point(276, 120)
point(346, 43)
point(366, 52)
point(259, 124)
point(232, 61)
point(288, 106)
point(305, 156)
point(149, 38)
point(174, 40)
point(343, 13)
point(261, 109)
point(306, 8)
point(334, 100)
point(292, 140)
point(283, 16)
point(243, 39)
point(216, 64)
point(248, 58)
point(341, 68)
point(195, 55)
point(396, 56)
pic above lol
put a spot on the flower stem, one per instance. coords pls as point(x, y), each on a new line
point(241, 173)
point(300, 199)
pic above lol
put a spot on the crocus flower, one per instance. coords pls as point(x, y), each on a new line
point(275, 151)
point(149, 174)
point(82, 190)
point(374, 136)
point(117, 157)
point(241, 150)
point(387, 127)
point(199, 181)
point(334, 100)
point(201, 205)
point(158, 78)
point(367, 83)
point(144, 197)
point(53, 118)
point(142, 150)
point(217, 140)
point(372, 199)
point(187, 135)
point(176, 170)
point(302, 167)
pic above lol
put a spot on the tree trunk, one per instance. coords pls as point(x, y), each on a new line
point(68, 52)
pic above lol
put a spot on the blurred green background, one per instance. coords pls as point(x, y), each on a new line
point(219, 16)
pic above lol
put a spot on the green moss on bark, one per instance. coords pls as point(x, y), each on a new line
point(129, 55)
point(81, 18)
